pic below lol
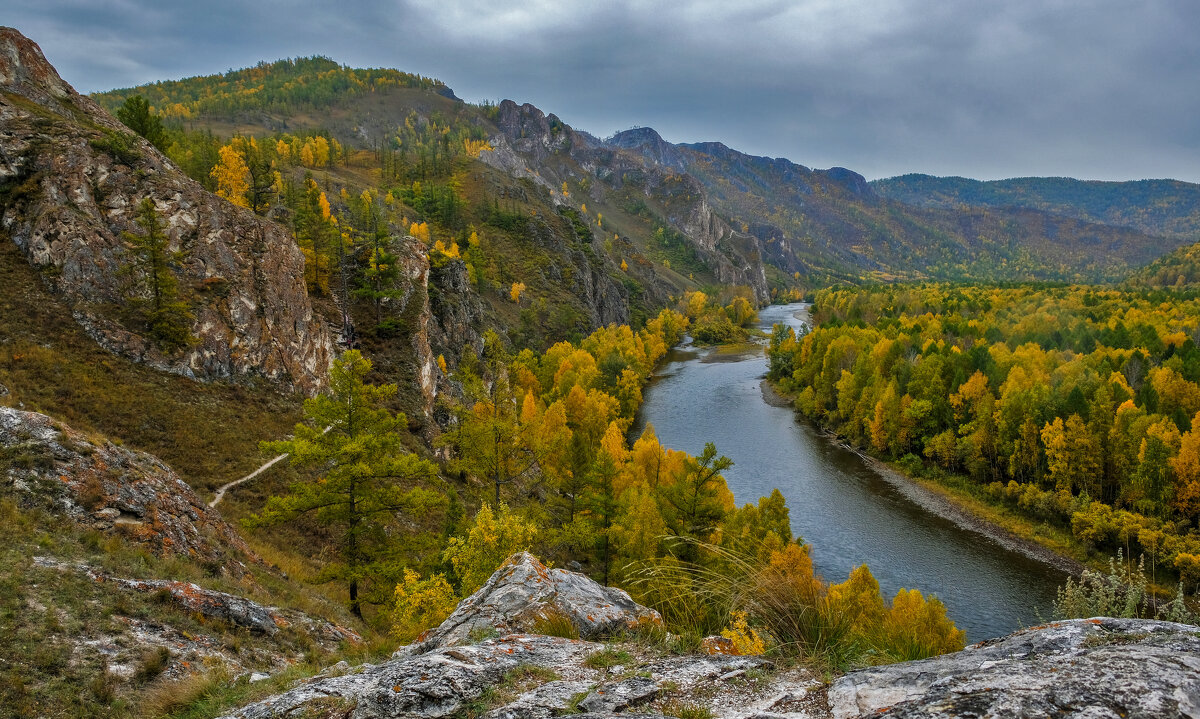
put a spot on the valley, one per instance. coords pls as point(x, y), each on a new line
point(492, 345)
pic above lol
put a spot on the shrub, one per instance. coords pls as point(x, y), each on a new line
point(421, 604)
point(746, 641)
point(494, 537)
point(837, 626)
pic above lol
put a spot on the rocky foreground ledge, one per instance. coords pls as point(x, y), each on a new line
point(1080, 668)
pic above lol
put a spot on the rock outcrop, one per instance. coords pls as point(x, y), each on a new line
point(112, 489)
point(1080, 668)
point(523, 592)
point(213, 605)
point(71, 177)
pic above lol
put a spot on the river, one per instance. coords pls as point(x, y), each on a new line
point(839, 504)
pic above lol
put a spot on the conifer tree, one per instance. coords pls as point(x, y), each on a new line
point(135, 114)
point(155, 291)
point(366, 477)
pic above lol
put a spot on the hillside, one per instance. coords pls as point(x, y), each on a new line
point(644, 220)
point(833, 225)
point(1166, 208)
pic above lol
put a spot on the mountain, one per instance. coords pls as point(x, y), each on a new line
point(833, 225)
point(1165, 208)
point(71, 184)
point(609, 230)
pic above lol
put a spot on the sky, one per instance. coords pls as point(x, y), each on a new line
point(1095, 89)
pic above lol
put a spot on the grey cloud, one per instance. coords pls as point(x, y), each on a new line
point(1088, 88)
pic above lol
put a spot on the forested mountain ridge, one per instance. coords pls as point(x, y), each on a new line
point(714, 215)
point(1168, 208)
point(832, 224)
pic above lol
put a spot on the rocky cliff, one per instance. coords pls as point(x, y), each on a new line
point(70, 179)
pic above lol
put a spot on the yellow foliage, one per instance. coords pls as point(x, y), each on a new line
point(421, 604)
point(493, 537)
point(232, 176)
point(473, 148)
point(746, 641)
point(515, 293)
point(624, 266)
point(441, 363)
point(419, 230)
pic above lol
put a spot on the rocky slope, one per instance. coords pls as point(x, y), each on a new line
point(1096, 667)
point(1081, 668)
point(551, 152)
point(109, 489)
point(70, 178)
point(116, 578)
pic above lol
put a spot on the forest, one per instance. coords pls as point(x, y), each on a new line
point(1075, 405)
point(537, 455)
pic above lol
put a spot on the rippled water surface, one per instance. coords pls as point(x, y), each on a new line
point(838, 504)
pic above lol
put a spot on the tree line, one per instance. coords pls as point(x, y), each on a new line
point(1074, 404)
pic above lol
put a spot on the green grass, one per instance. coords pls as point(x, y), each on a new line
point(607, 657)
point(44, 612)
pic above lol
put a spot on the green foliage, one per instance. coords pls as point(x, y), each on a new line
point(154, 291)
point(1122, 591)
point(121, 146)
point(606, 658)
point(284, 86)
point(366, 477)
point(135, 114)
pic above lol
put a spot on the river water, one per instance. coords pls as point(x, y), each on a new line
point(839, 504)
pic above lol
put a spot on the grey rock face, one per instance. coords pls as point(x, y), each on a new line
point(523, 591)
point(1079, 668)
point(432, 685)
point(72, 196)
point(612, 698)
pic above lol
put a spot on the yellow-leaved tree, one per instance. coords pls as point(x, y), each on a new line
point(232, 176)
point(493, 537)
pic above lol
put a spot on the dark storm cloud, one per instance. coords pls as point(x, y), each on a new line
point(1087, 88)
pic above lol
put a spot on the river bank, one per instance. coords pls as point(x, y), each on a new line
point(944, 501)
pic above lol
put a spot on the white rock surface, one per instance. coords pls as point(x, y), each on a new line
point(1079, 668)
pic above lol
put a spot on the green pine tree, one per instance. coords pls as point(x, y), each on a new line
point(367, 479)
point(154, 289)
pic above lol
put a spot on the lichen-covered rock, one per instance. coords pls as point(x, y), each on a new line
point(433, 685)
point(612, 698)
point(548, 700)
point(522, 592)
point(1083, 668)
point(73, 177)
point(97, 484)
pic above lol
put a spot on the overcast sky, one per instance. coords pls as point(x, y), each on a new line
point(1099, 89)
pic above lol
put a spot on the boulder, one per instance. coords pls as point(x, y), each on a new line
point(522, 592)
point(1084, 668)
point(437, 684)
